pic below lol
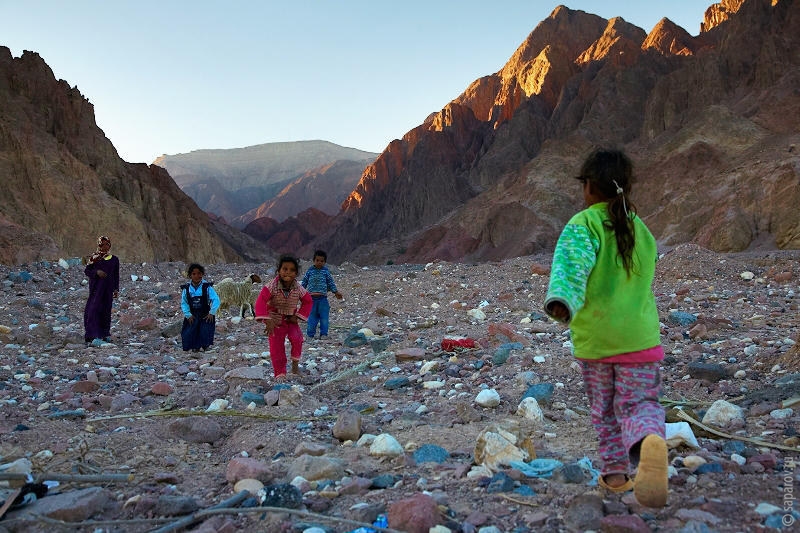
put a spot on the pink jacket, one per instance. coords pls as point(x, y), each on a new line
point(273, 302)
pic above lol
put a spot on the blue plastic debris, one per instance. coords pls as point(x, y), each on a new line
point(542, 468)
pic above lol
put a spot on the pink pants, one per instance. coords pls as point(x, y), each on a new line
point(277, 350)
point(625, 409)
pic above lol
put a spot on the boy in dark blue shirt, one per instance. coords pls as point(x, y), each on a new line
point(318, 281)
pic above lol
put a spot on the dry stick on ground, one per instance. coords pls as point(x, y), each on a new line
point(352, 371)
point(297, 512)
point(191, 519)
point(690, 403)
point(67, 478)
point(757, 442)
point(515, 500)
point(211, 511)
point(178, 413)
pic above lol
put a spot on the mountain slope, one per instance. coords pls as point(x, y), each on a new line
point(65, 184)
point(487, 176)
point(232, 182)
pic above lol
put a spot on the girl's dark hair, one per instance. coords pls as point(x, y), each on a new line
point(608, 171)
point(322, 254)
point(195, 266)
point(289, 259)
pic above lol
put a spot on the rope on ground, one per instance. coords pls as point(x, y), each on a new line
point(380, 357)
point(757, 442)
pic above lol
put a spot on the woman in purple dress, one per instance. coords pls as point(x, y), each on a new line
point(102, 269)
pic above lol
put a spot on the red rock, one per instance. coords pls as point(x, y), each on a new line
point(85, 386)
point(409, 354)
point(146, 324)
point(161, 389)
point(416, 514)
point(540, 270)
point(624, 524)
point(767, 460)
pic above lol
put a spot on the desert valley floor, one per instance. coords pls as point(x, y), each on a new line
point(169, 434)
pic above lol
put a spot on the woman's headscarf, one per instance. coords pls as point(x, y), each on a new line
point(98, 254)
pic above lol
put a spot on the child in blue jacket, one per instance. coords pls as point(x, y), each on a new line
point(318, 281)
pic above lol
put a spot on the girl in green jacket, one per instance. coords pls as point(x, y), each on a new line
point(601, 285)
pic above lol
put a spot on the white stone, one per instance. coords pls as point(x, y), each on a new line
point(529, 408)
point(479, 471)
point(429, 366)
point(496, 447)
point(220, 404)
point(781, 414)
point(539, 359)
point(680, 433)
point(723, 413)
point(385, 445)
point(433, 384)
point(738, 459)
point(740, 374)
point(488, 398)
point(477, 314)
point(766, 509)
point(747, 275)
point(366, 440)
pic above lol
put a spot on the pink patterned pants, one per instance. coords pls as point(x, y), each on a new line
point(277, 349)
point(625, 409)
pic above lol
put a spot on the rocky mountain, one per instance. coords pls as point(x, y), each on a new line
point(710, 122)
point(292, 234)
point(64, 184)
point(275, 180)
point(323, 189)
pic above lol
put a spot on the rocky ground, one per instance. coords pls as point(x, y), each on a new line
point(390, 424)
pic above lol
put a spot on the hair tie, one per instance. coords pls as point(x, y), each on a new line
point(621, 191)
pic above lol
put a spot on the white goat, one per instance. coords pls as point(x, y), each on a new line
point(241, 294)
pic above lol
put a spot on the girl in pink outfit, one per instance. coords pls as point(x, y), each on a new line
point(279, 306)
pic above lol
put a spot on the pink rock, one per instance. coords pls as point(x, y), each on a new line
point(409, 354)
point(629, 523)
point(783, 277)
point(146, 324)
point(536, 519)
point(357, 485)
point(247, 468)
point(161, 389)
point(540, 269)
point(63, 396)
point(74, 505)
point(272, 397)
point(85, 386)
point(767, 460)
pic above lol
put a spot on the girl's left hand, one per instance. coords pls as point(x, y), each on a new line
point(559, 311)
point(291, 319)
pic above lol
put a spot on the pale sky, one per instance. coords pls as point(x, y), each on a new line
point(172, 76)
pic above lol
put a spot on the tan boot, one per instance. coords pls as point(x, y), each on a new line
point(651, 484)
